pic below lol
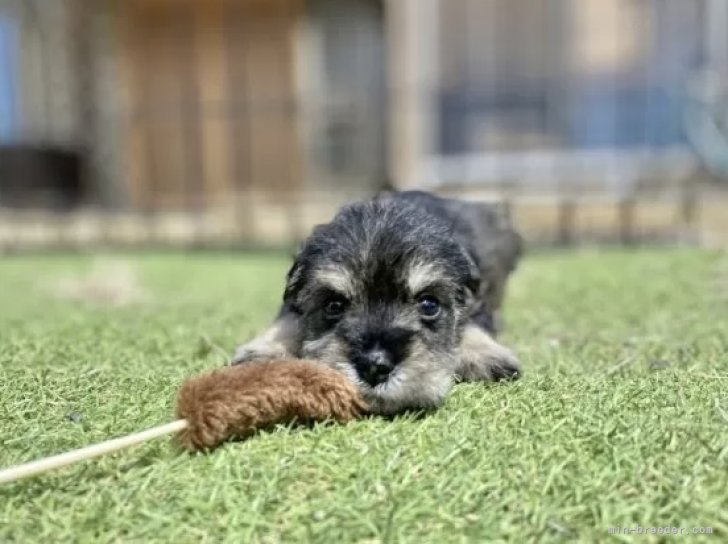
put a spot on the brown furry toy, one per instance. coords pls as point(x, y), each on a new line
point(235, 402)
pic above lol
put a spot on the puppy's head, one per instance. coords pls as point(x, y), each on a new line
point(382, 294)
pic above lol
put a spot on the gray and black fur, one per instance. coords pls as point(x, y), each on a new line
point(402, 294)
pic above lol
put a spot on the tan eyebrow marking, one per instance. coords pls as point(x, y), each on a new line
point(422, 275)
point(338, 279)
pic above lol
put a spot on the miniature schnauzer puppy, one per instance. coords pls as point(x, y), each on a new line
point(401, 294)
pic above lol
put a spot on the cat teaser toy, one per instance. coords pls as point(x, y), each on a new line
point(232, 403)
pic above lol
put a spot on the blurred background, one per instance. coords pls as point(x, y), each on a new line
point(222, 123)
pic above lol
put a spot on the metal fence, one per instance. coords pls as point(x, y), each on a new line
point(243, 122)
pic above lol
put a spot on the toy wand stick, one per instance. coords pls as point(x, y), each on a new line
point(89, 452)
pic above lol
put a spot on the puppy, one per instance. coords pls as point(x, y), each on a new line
point(401, 294)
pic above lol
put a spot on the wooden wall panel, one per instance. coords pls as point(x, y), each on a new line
point(209, 92)
point(215, 98)
point(262, 59)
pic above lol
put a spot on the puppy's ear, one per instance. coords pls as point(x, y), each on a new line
point(294, 283)
point(302, 263)
point(473, 279)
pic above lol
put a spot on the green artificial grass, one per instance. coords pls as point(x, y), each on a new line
point(620, 421)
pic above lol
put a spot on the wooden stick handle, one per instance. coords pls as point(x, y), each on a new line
point(89, 452)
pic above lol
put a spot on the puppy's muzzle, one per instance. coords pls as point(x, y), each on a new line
point(374, 366)
point(377, 351)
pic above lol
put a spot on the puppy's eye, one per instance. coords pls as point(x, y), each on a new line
point(429, 306)
point(334, 308)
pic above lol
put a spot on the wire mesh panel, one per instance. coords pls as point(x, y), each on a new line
point(563, 79)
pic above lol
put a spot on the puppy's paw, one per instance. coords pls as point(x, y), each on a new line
point(481, 358)
point(278, 342)
point(259, 351)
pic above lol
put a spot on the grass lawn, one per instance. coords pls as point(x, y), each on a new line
point(621, 419)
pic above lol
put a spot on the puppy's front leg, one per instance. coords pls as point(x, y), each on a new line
point(278, 342)
point(481, 358)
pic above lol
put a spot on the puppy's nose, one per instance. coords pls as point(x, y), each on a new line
point(374, 366)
